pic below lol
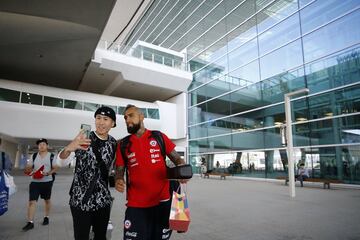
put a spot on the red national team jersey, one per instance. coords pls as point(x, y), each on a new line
point(147, 170)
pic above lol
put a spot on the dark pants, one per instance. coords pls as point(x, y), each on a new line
point(148, 223)
point(301, 178)
point(83, 220)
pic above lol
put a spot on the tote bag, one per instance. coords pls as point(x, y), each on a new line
point(179, 219)
point(4, 194)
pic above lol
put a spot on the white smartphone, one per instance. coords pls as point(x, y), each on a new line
point(86, 129)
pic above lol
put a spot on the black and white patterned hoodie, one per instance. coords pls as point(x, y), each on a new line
point(86, 169)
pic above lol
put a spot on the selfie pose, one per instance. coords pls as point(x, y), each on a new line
point(90, 198)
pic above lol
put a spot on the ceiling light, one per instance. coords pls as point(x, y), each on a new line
point(329, 114)
point(301, 119)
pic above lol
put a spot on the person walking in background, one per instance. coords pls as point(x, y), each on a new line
point(90, 198)
point(148, 195)
point(40, 167)
point(5, 161)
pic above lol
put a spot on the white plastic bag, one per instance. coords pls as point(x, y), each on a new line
point(9, 182)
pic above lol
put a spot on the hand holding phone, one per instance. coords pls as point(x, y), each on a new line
point(86, 129)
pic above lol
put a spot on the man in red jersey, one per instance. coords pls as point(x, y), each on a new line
point(148, 195)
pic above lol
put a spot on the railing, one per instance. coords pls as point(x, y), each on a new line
point(146, 53)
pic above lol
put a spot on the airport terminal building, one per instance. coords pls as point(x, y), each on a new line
point(221, 69)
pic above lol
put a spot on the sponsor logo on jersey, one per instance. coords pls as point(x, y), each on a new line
point(153, 143)
point(155, 155)
point(152, 150)
point(127, 224)
point(155, 160)
point(131, 234)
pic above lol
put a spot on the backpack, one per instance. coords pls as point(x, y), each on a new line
point(125, 145)
point(51, 163)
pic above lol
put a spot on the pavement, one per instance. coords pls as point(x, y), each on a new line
point(231, 209)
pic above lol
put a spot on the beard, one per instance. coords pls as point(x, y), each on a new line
point(133, 129)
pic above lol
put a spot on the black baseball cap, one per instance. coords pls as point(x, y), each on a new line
point(106, 111)
point(42, 140)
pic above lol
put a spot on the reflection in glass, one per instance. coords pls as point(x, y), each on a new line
point(73, 104)
point(31, 98)
point(336, 36)
point(321, 12)
point(286, 58)
point(153, 113)
point(53, 102)
point(9, 95)
point(92, 107)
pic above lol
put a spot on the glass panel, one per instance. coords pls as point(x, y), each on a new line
point(121, 110)
point(285, 58)
point(334, 71)
point(218, 107)
point(248, 140)
point(246, 98)
point(274, 88)
point(217, 87)
point(243, 55)
point(280, 34)
point(329, 131)
point(53, 102)
point(9, 95)
point(154, 113)
point(144, 111)
point(274, 13)
point(304, 2)
point(73, 104)
point(242, 34)
point(337, 163)
point(248, 121)
point(92, 107)
point(196, 114)
point(31, 98)
point(219, 144)
point(333, 37)
point(245, 75)
point(212, 71)
point(321, 12)
point(329, 104)
point(198, 96)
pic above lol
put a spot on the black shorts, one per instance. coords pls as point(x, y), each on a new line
point(42, 189)
point(148, 223)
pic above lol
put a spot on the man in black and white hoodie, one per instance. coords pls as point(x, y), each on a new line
point(90, 198)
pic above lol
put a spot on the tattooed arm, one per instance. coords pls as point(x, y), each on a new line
point(119, 179)
point(177, 160)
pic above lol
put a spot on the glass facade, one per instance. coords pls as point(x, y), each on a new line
point(240, 76)
point(244, 56)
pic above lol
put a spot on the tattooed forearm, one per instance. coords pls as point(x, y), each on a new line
point(176, 158)
point(119, 172)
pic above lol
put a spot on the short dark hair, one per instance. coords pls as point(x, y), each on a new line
point(128, 107)
point(42, 140)
point(132, 106)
